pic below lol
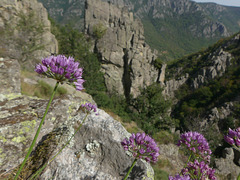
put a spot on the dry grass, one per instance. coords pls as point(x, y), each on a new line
point(40, 89)
point(130, 127)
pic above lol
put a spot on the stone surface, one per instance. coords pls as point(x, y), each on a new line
point(171, 158)
point(225, 165)
point(96, 153)
point(10, 76)
point(127, 61)
point(25, 31)
point(220, 61)
point(172, 85)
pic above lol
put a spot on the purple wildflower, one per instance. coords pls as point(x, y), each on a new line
point(142, 146)
point(178, 177)
point(89, 107)
point(229, 140)
point(62, 69)
point(199, 170)
point(233, 138)
point(196, 143)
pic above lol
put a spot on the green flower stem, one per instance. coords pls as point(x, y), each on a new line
point(188, 160)
point(37, 133)
point(133, 164)
point(42, 168)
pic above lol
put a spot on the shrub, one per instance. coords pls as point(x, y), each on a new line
point(99, 30)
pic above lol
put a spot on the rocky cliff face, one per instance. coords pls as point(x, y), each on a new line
point(127, 61)
point(95, 152)
point(211, 65)
point(220, 60)
point(25, 31)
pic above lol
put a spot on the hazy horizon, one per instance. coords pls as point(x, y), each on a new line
point(223, 2)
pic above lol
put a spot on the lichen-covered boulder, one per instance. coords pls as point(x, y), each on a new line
point(95, 151)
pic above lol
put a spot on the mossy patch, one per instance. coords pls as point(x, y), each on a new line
point(53, 118)
point(28, 126)
point(150, 174)
point(19, 139)
point(3, 139)
point(12, 96)
point(71, 109)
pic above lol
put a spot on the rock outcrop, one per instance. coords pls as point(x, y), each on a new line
point(94, 153)
point(127, 61)
point(225, 165)
point(220, 61)
point(25, 31)
point(172, 85)
point(212, 65)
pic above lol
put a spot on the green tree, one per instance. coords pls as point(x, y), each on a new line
point(153, 109)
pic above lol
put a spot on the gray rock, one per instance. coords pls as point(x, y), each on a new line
point(127, 61)
point(172, 85)
point(10, 76)
point(26, 31)
point(220, 61)
point(96, 153)
point(225, 165)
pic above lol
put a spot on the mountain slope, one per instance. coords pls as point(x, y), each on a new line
point(227, 15)
point(182, 26)
point(173, 27)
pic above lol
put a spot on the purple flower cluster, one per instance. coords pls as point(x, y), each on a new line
point(89, 107)
point(199, 170)
point(142, 146)
point(196, 143)
point(62, 69)
point(233, 137)
point(178, 177)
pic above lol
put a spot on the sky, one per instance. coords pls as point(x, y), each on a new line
point(223, 2)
